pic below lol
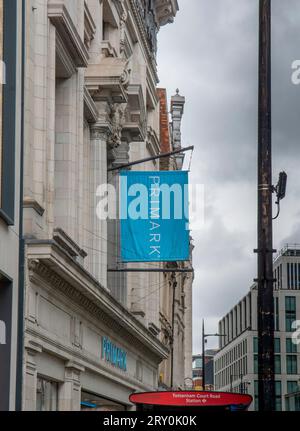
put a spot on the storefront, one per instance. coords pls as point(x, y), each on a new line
point(91, 402)
point(84, 350)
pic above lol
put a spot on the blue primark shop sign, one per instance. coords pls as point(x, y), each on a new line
point(154, 216)
point(113, 354)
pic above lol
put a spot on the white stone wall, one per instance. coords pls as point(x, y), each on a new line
point(79, 87)
point(63, 344)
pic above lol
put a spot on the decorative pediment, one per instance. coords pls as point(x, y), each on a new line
point(60, 18)
point(108, 79)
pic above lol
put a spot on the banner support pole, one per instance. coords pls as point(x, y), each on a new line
point(179, 270)
point(149, 159)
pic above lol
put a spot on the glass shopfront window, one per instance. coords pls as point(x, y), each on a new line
point(91, 402)
point(47, 395)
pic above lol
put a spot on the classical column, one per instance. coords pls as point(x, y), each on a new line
point(50, 150)
point(70, 390)
point(30, 378)
point(98, 177)
point(118, 155)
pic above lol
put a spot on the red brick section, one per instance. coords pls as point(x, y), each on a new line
point(165, 142)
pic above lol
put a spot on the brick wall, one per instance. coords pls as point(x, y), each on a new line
point(165, 142)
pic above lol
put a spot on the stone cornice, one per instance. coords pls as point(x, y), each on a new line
point(63, 352)
point(59, 16)
point(63, 239)
point(32, 203)
point(111, 77)
point(49, 262)
point(144, 39)
point(90, 109)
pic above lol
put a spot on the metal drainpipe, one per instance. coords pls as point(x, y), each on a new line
point(21, 293)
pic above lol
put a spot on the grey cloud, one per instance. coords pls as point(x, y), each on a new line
point(211, 53)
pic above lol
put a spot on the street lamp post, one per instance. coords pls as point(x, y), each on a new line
point(266, 385)
point(204, 336)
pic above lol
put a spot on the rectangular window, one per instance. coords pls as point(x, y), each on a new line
point(290, 312)
point(291, 364)
point(276, 314)
point(292, 275)
point(291, 347)
point(288, 276)
point(255, 345)
point(278, 394)
point(241, 317)
point(255, 364)
point(46, 396)
point(292, 387)
point(277, 347)
point(8, 69)
point(250, 310)
point(277, 364)
point(280, 276)
point(256, 395)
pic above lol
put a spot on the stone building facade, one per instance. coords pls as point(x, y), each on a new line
point(175, 313)
point(92, 337)
point(10, 174)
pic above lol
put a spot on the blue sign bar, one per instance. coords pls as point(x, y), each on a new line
point(113, 354)
point(154, 216)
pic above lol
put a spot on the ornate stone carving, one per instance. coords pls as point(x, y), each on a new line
point(123, 20)
point(117, 122)
point(99, 132)
point(165, 11)
point(146, 12)
point(125, 76)
point(32, 267)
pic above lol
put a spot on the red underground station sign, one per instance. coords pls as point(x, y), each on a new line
point(192, 399)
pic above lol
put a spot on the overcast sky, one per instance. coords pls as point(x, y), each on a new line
point(210, 54)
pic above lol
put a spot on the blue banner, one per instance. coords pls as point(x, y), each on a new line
point(154, 216)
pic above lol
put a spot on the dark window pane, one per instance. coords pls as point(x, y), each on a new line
point(291, 364)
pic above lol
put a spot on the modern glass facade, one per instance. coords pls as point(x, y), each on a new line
point(290, 312)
